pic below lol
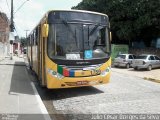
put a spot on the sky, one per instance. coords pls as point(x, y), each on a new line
point(29, 15)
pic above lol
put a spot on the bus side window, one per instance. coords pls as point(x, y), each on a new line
point(102, 33)
point(36, 40)
point(30, 43)
point(100, 37)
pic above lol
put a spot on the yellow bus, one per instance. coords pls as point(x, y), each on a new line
point(71, 48)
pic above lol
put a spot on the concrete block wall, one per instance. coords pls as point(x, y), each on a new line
point(155, 51)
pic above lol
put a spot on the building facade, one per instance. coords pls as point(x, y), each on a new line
point(4, 35)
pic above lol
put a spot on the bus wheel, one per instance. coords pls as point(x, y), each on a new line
point(29, 66)
point(40, 82)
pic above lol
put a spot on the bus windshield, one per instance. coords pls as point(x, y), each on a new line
point(78, 41)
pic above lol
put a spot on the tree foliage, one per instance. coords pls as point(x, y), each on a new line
point(130, 19)
point(23, 41)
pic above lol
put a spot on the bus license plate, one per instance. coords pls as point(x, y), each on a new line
point(82, 83)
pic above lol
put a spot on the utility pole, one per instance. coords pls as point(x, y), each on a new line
point(11, 32)
point(26, 33)
point(12, 23)
point(12, 38)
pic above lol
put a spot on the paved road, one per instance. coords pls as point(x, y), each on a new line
point(124, 94)
point(154, 74)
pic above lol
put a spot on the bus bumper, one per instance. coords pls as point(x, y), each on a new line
point(69, 82)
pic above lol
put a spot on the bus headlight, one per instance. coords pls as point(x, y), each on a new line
point(105, 72)
point(55, 74)
point(59, 76)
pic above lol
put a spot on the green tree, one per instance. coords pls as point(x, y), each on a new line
point(130, 19)
point(23, 41)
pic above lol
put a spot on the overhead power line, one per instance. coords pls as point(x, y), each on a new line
point(8, 5)
point(21, 6)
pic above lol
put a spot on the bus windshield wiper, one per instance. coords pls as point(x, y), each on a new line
point(74, 34)
point(94, 29)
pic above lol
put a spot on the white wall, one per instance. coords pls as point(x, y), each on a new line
point(3, 50)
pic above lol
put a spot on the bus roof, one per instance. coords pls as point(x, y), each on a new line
point(82, 11)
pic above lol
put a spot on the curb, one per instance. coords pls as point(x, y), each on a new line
point(152, 79)
point(41, 105)
point(40, 102)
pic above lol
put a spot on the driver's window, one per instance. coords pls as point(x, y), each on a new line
point(100, 41)
point(103, 37)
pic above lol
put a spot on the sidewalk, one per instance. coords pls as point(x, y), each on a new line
point(153, 75)
point(19, 99)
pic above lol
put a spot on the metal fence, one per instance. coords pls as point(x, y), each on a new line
point(135, 51)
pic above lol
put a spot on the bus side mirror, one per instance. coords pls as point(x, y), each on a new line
point(110, 36)
point(45, 30)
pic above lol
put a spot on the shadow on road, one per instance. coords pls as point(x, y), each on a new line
point(132, 69)
point(57, 94)
point(139, 70)
point(19, 80)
